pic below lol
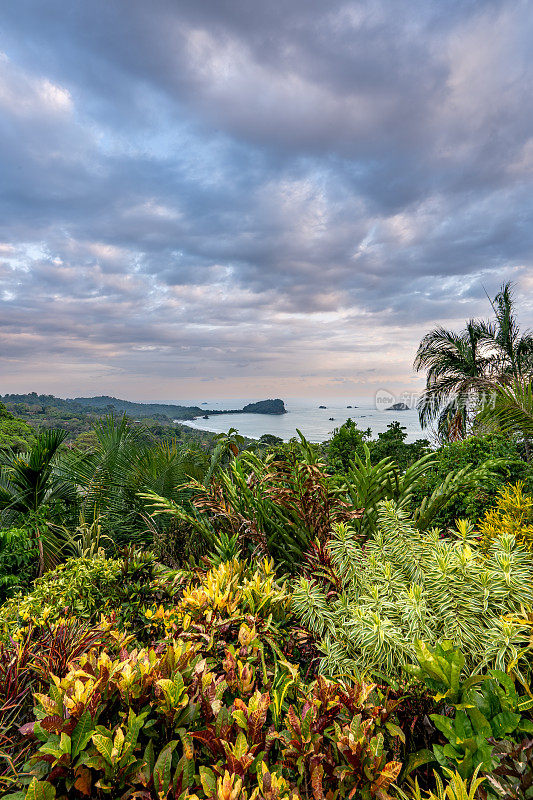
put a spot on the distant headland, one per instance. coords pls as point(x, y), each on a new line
point(104, 404)
point(266, 407)
point(261, 407)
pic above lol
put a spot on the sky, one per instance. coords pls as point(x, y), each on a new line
point(233, 198)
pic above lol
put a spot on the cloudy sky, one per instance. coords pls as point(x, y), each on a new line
point(228, 198)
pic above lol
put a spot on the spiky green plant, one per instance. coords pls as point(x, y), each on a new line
point(367, 485)
point(404, 584)
point(456, 788)
point(276, 507)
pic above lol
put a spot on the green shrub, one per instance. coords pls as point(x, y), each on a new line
point(27, 660)
point(347, 440)
point(80, 586)
point(185, 721)
point(474, 500)
point(275, 507)
point(391, 444)
point(87, 588)
point(18, 561)
point(403, 584)
point(513, 513)
point(487, 709)
point(15, 434)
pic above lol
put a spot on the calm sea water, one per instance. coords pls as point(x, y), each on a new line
point(312, 421)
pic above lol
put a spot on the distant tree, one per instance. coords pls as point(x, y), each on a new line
point(391, 444)
point(86, 442)
point(15, 434)
point(345, 442)
point(270, 439)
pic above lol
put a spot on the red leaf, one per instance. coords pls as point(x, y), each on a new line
point(27, 729)
point(83, 781)
point(53, 723)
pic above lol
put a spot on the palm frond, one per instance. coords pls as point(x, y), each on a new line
point(511, 406)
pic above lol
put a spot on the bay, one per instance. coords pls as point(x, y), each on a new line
point(305, 415)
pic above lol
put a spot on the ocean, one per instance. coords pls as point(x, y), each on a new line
point(312, 421)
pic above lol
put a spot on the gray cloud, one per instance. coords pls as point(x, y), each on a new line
point(233, 191)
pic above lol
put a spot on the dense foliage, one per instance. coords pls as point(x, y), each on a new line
point(266, 621)
point(15, 434)
point(375, 600)
point(349, 440)
point(473, 500)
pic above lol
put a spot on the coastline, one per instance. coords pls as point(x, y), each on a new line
point(314, 422)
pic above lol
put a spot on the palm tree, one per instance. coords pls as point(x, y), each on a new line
point(103, 477)
point(510, 408)
point(456, 373)
point(29, 482)
point(167, 470)
point(462, 367)
point(512, 350)
point(127, 461)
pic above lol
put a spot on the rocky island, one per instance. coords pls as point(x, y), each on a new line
point(398, 407)
point(265, 407)
point(276, 406)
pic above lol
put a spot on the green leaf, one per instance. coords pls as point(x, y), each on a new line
point(149, 757)
point(456, 660)
point(162, 770)
point(52, 749)
point(418, 759)
point(40, 790)
point(241, 745)
point(439, 755)
point(135, 724)
point(445, 725)
point(81, 734)
point(452, 752)
point(429, 663)
point(96, 761)
point(480, 723)
point(503, 723)
point(104, 745)
point(40, 733)
point(240, 719)
point(208, 780)
point(462, 725)
point(472, 681)
point(395, 731)
point(507, 682)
